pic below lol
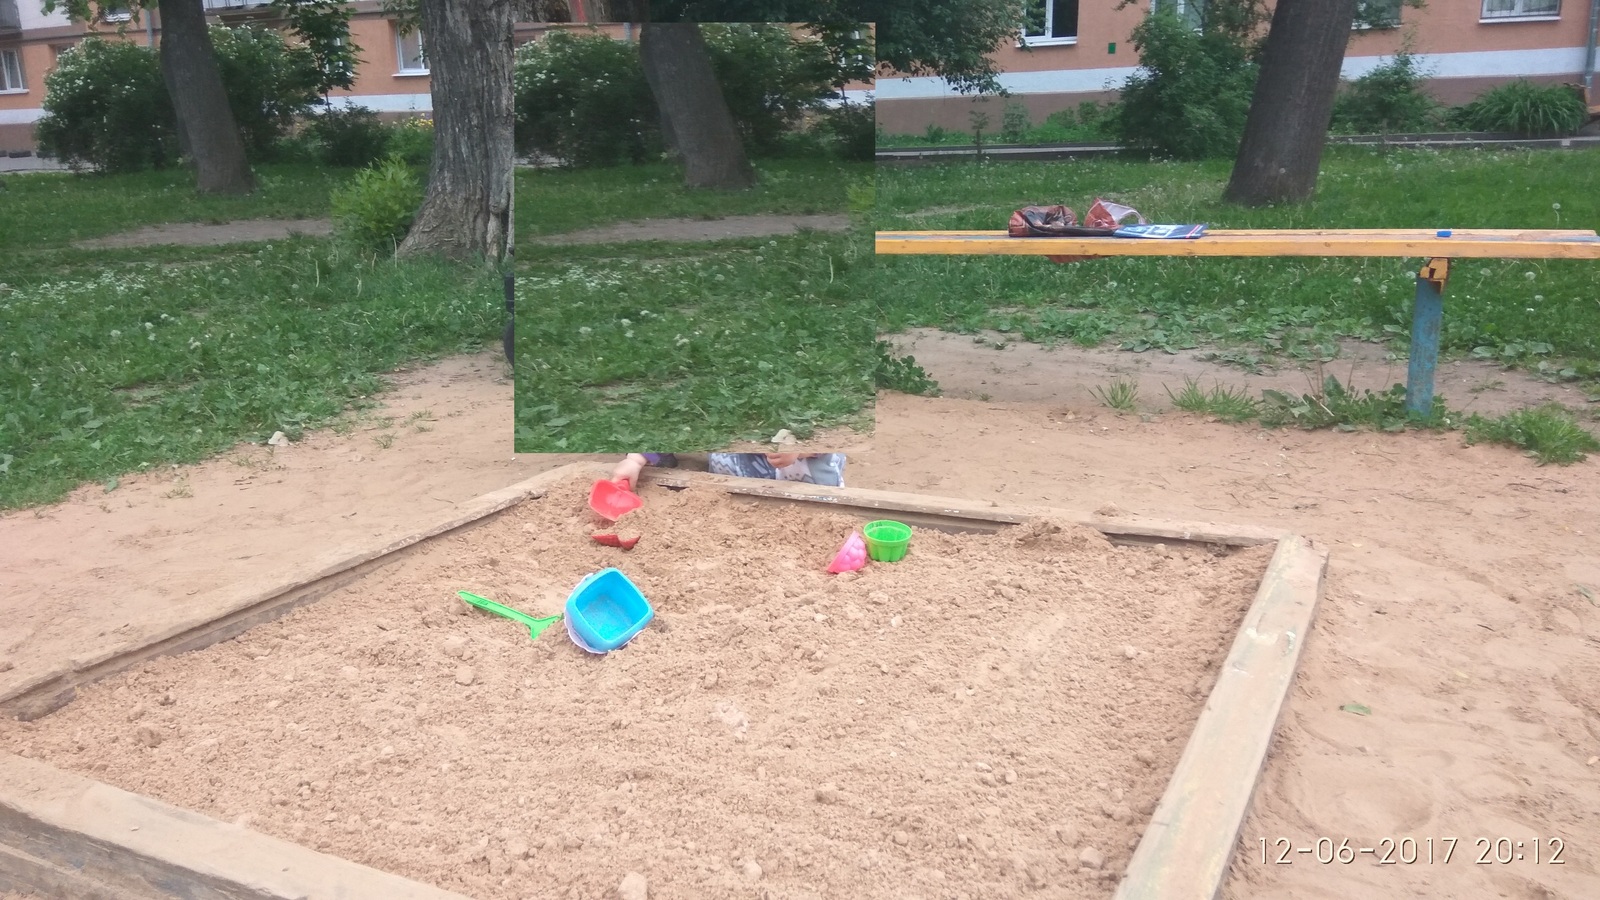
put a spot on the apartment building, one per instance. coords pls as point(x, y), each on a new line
point(1073, 52)
point(391, 78)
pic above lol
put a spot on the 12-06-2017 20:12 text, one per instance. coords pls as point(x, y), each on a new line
point(1415, 851)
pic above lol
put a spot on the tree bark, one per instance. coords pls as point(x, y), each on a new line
point(1287, 128)
point(693, 110)
point(467, 211)
point(206, 127)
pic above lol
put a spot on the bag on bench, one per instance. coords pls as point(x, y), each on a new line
point(1059, 221)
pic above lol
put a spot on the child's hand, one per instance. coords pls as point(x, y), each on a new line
point(782, 460)
point(627, 471)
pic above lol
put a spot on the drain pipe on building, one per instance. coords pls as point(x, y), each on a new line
point(1588, 63)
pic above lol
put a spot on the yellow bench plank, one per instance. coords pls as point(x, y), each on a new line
point(1469, 244)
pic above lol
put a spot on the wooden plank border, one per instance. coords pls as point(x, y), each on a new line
point(70, 836)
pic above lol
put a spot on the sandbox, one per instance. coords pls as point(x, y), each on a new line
point(1021, 706)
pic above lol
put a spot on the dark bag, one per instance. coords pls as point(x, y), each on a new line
point(1051, 221)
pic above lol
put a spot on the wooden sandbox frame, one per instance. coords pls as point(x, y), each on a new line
point(63, 835)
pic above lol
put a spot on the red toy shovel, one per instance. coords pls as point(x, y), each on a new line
point(611, 540)
point(611, 500)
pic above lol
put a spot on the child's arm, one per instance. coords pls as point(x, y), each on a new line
point(631, 466)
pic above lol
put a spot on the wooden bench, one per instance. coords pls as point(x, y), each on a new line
point(1427, 314)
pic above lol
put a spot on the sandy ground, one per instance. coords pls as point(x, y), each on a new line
point(1453, 609)
point(247, 230)
point(994, 716)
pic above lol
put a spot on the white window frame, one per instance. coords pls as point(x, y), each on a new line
point(1399, 16)
point(1181, 7)
point(1516, 14)
point(400, 53)
point(116, 14)
point(1044, 40)
point(11, 63)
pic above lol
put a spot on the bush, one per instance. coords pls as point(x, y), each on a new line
point(375, 209)
point(583, 99)
point(106, 106)
point(1191, 93)
point(1387, 100)
point(351, 136)
point(1522, 107)
point(269, 83)
point(852, 129)
point(769, 78)
point(412, 141)
point(1015, 123)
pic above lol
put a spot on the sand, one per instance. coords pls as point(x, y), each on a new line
point(994, 716)
point(1473, 731)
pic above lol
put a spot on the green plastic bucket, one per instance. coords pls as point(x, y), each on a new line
point(886, 540)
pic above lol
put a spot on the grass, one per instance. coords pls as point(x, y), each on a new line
point(1223, 402)
point(1539, 315)
point(116, 361)
point(1549, 434)
point(1121, 395)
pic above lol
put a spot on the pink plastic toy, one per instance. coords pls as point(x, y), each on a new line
point(852, 556)
point(611, 500)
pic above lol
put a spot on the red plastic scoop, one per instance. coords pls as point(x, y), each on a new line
point(612, 540)
point(611, 500)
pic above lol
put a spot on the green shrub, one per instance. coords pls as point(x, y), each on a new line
point(376, 208)
point(268, 82)
point(853, 130)
point(1015, 123)
point(1387, 100)
point(1522, 107)
point(351, 136)
point(1191, 93)
point(412, 141)
point(582, 97)
point(770, 79)
point(105, 106)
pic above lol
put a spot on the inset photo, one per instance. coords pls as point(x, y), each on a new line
point(693, 242)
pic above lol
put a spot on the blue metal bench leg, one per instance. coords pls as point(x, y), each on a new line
point(1426, 317)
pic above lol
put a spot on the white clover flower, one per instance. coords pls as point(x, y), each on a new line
point(148, 326)
point(1530, 309)
point(1356, 279)
point(1538, 298)
point(1556, 207)
point(627, 334)
point(151, 336)
point(721, 277)
point(1529, 275)
point(682, 340)
point(115, 333)
point(626, 323)
point(585, 330)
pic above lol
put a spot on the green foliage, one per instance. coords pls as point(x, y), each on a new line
point(105, 106)
point(1550, 434)
point(349, 136)
point(412, 141)
point(901, 373)
point(1191, 93)
point(1333, 405)
point(769, 78)
point(1226, 403)
point(268, 83)
point(1121, 395)
point(582, 97)
point(1387, 100)
point(1522, 107)
point(322, 32)
point(376, 208)
point(1015, 122)
point(852, 130)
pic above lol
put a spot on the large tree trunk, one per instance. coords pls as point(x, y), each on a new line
point(693, 111)
point(466, 213)
point(206, 128)
point(1293, 103)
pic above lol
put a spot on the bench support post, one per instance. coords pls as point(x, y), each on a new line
point(1426, 316)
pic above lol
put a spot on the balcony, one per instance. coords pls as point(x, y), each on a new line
point(220, 6)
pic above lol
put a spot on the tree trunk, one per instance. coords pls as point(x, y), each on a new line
point(206, 128)
point(466, 213)
point(1288, 124)
point(693, 111)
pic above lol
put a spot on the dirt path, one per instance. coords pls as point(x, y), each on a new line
point(249, 230)
point(1453, 608)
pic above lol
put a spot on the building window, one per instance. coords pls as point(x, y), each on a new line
point(11, 72)
point(1377, 14)
point(116, 13)
point(1050, 22)
point(1190, 11)
point(1503, 10)
point(408, 49)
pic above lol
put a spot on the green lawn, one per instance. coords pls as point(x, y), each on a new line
point(1544, 315)
point(114, 361)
